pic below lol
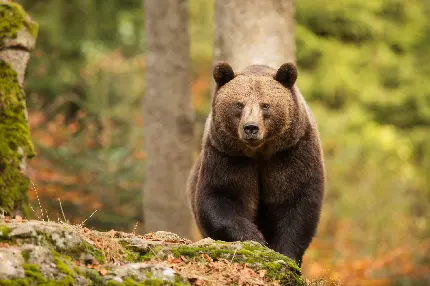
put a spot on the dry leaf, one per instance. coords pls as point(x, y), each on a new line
point(103, 271)
point(262, 273)
point(174, 260)
point(206, 257)
point(196, 282)
point(18, 219)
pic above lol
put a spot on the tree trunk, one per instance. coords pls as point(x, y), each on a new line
point(17, 37)
point(168, 117)
point(254, 32)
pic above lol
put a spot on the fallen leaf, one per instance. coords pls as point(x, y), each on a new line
point(262, 273)
point(174, 260)
point(103, 271)
point(196, 282)
point(206, 257)
point(18, 219)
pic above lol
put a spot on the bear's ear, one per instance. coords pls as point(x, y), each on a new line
point(287, 75)
point(222, 73)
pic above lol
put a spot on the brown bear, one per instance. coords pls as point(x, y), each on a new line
point(260, 175)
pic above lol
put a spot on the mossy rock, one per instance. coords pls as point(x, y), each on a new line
point(14, 19)
point(17, 37)
point(49, 253)
point(14, 141)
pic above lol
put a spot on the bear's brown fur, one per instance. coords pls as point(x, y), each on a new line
point(260, 174)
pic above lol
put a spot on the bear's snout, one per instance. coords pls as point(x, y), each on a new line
point(251, 129)
point(251, 133)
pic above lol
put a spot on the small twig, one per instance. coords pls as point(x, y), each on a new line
point(38, 200)
point(61, 207)
point(156, 255)
point(47, 216)
point(134, 228)
point(31, 207)
point(82, 223)
point(234, 254)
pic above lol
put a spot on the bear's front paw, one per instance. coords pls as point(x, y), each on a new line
point(253, 233)
point(259, 237)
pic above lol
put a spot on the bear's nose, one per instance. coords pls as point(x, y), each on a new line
point(250, 128)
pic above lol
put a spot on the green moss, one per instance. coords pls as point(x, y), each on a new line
point(94, 276)
point(134, 254)
point(75, 253)
point(66, 281)
point(33, 276)
point(25, 255)
point(113, 283)
point(148, 282)
point(62, 266)
point(278, 266)
point(153, 282)
point(17, 282)
point(32, 271)
point(77, 270)
point(131, 254)
point(13, 18)
point(14, 134)
point(151, 253)
point(4, 232)
point(93, 251)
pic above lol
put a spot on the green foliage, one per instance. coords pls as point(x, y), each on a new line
point(76, 34)
point(87, 66)
point(361, 69)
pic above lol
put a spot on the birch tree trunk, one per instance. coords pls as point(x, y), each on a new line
point(168, 117)
point(17, 37)
point(254, 32)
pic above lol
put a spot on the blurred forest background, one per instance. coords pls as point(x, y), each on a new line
point(363, 66)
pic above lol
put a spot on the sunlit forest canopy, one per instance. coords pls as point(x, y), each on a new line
point(363, 67)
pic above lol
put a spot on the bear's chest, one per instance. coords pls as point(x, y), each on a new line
point(275, 180)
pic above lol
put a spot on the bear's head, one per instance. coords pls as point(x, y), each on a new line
point(252, 108)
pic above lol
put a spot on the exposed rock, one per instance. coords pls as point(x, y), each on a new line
point(38, 252)
point(11, 263)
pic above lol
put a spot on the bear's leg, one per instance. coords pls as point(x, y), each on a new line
point(289, 227)
point(223, 218)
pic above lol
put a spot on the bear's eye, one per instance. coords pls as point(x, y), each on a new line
point(265, 106)
point(239, 105)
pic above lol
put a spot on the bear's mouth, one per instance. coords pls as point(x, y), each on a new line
point(252, 140)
